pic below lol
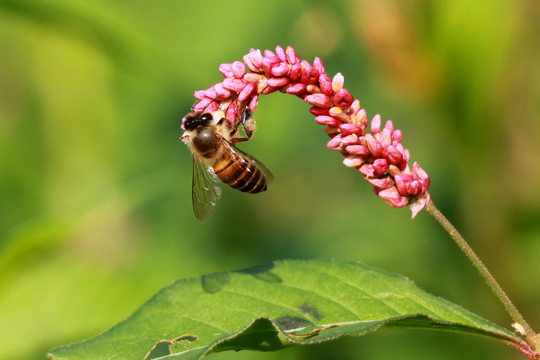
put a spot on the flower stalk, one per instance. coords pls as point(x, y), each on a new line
point(482, 269)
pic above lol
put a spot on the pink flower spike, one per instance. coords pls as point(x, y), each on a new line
point(337, 84)
point(319, 100)
point(393, 198)
point(238, 69)
point(378, 155)
point(376, 124)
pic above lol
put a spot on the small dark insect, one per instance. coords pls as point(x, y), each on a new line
point(216, 158)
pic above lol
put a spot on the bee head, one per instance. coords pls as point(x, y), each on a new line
point(196, 120)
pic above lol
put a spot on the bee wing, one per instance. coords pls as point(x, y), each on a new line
point(232, 148)
point(205, 189)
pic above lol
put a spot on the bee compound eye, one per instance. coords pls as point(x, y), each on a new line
point(205, 117)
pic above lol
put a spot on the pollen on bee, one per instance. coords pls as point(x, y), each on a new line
point(250, 125)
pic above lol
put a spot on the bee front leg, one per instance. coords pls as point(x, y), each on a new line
point(248, 123)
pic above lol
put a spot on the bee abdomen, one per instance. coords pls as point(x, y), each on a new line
point(240, 174)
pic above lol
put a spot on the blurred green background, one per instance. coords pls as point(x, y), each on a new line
point(95, 185)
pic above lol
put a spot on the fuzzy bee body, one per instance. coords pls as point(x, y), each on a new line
point(216, 159)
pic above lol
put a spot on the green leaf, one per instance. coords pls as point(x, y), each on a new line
point(274, 306)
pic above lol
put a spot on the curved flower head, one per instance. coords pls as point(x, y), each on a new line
point(378, 155)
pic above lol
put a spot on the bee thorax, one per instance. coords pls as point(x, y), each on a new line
point(206, 141)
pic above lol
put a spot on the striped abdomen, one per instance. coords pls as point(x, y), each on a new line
point(239, 173)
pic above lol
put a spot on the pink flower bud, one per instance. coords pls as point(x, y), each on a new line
point(247, 91)
point(380, 166)
point(334, 143)
point(296, 89)
point(357, 150)
point(296, 71)
point(200, 94)
point(226, 70)
point(393, 155)
point(254, 102)
point(373, 145)
point(319, 100)
point(315, 110)
point(337, 84)
point(347, 129)
point(292, 57)
point(349, 140)
point(278, 81)
point(280, 70)
point(232, 113)
point(393, 198)
point(318, 65)
point(238, 69)
point(236, 85)
point(325, 84)
point(353, 161)
point(281, 53)
point(269, 89)
point(343, 99)
point(367, 170)
point(376, 124)
point(327, 120)
point(382, 183)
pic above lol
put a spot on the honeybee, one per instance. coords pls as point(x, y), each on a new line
point(216, 159)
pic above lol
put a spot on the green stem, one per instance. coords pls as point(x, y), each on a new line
point(489, 279)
